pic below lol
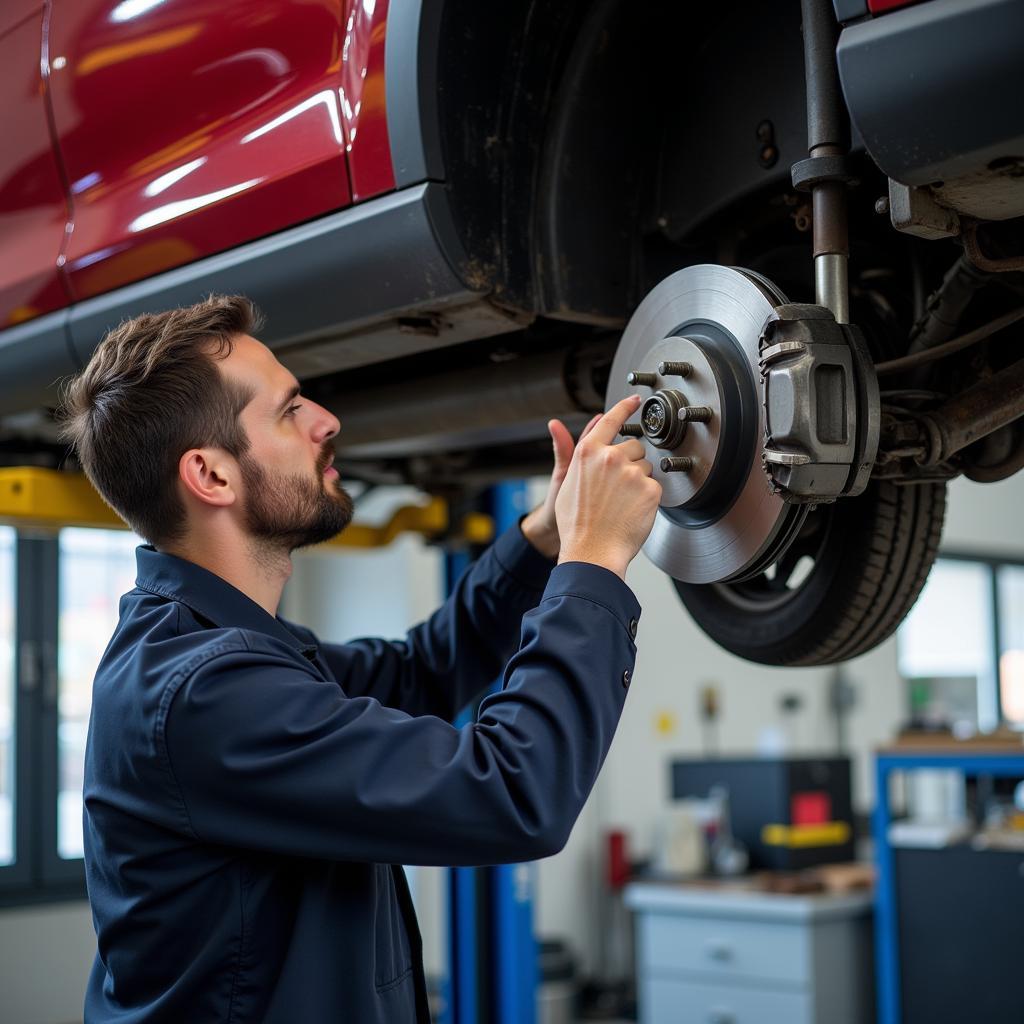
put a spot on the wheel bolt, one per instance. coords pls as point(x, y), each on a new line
point(646, 379)
point(631, 430)
point(695, 414)
point(681, 464)
point(675, 369)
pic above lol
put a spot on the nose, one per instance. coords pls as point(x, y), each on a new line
point(325, 425)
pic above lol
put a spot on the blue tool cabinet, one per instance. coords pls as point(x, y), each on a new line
point(1004, 762)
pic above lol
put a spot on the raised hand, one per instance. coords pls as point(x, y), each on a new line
point(606, 503)
point(540, 527)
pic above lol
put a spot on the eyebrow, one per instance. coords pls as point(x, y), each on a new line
point(293, 393)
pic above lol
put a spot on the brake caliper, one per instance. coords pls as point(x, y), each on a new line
point(821, 404)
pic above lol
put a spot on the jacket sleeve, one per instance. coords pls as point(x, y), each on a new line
point(266, 756)
point(446, 661)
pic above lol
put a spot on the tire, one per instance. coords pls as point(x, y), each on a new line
point(870, 557)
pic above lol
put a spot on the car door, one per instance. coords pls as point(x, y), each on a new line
point(33, 212)
point(188, 127)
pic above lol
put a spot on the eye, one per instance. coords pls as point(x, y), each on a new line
point(292, 409)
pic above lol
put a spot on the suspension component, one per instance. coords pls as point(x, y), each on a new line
point(825, 173)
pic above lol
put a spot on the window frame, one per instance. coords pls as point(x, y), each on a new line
point(18, 875)
point(39, 874)
point(992, 563)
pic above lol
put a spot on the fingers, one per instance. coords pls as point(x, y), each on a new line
point(589, 427)
point(632, 449)
point(607, 427)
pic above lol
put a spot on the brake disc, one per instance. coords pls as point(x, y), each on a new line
point(691, 351)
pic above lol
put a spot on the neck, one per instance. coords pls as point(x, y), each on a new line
point(257, 569)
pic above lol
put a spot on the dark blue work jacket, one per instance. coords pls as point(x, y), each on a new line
point(248, 789)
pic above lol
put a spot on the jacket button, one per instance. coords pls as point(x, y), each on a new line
point(632, 628)
point(625, 679)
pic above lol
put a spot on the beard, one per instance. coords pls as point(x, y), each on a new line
point(288, 511)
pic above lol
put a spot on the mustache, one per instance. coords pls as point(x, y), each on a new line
point(325, 458)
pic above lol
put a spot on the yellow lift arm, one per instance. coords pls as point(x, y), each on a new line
point(49, 499)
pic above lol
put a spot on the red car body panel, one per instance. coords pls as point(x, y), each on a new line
point(188, 127)
point(363, 105)
point(881, 6)
point(33, 212)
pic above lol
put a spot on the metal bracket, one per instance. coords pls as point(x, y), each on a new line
point(814, 170)
point(915, 212)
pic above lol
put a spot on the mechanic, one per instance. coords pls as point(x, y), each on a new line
point(250, 790)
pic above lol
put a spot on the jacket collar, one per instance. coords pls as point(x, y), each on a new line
point(210, 596)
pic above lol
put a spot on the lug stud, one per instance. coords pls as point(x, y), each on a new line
point(631, 430)
point(673, 369)
point(695, 414)
point(648, 380)
point(681, 464)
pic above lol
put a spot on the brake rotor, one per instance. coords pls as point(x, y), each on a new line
point(691, 351)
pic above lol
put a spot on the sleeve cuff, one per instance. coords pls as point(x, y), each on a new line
point(521, 560)
point(597, 584)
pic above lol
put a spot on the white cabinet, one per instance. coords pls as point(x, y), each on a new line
point(720, 954)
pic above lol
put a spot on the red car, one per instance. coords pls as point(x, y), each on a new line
point(795, 228)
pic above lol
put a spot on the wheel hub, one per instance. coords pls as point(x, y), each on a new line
point(691, 351)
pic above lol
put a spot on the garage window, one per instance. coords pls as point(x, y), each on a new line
point(96, 568)
point(59, 598)
point(7, 740)
point(962, 646)
point(1010, 596)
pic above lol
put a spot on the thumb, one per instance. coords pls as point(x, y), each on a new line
point(562, 443)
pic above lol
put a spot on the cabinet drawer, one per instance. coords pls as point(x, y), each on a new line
point(767, 950)
point(671, 1001)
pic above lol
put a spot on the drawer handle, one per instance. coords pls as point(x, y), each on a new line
point(720, 951)
point(721, 1017)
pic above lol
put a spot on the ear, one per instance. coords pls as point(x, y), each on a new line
point(207, 474)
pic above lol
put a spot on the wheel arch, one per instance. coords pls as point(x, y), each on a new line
point(583, 145)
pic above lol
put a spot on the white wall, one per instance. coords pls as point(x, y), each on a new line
point(986, 517)
point(45, 952)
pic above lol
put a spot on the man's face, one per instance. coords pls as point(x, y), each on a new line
point(292, 494)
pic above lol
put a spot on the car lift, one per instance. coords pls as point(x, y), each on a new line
point(492, 975)
point(492, 951)
point(51, 499)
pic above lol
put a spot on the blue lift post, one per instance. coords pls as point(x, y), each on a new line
point(492, 961)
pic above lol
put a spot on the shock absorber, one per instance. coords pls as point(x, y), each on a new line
point(826, 173)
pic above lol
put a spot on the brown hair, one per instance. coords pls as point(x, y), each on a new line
point(150, 392)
